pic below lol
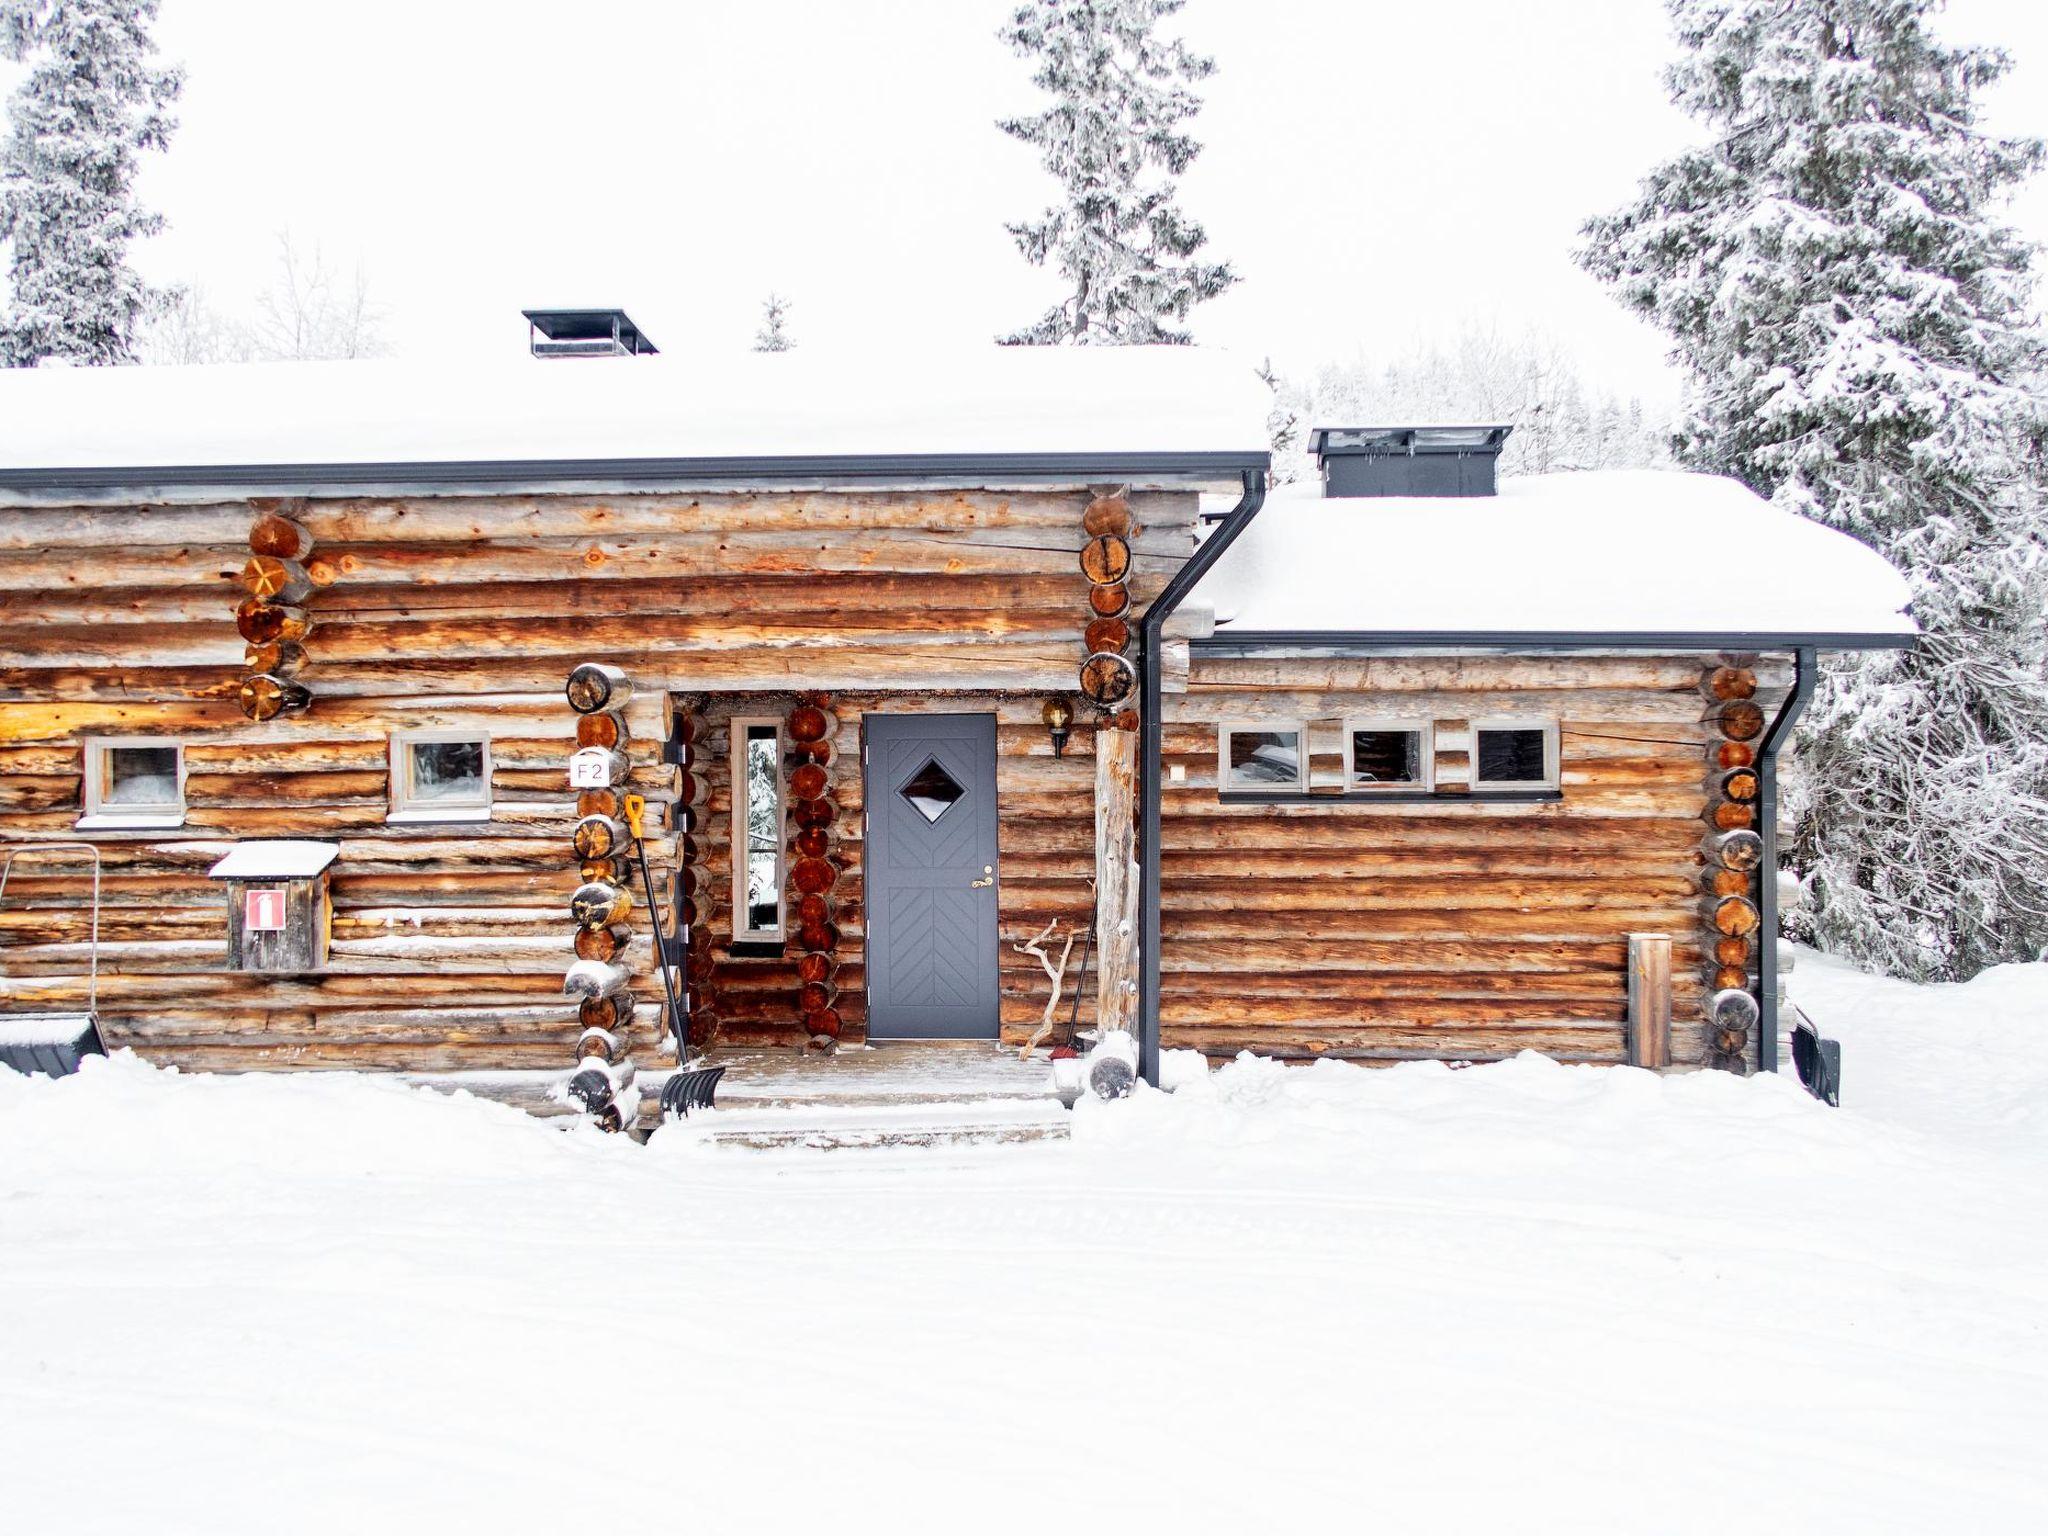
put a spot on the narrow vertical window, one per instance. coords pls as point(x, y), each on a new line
point(757, 831)
point(440, 776)
point(135, 782)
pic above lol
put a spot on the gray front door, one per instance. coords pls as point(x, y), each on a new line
point(930, 865)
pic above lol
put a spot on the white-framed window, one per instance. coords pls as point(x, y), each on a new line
point(134, 781)
point(1260, 757)
point(1381, 755)
point(757, 831)
point(1514, 754)
point(440, 776)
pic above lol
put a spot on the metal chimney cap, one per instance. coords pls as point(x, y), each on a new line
point(586, 333)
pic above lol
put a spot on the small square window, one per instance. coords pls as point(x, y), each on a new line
point(440, 777)
point(1387, 755)
point(1514, 754)
point(1261, 757)
point(134, 783)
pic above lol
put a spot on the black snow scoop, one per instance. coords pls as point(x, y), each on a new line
point(1819, 1061)
point(687, 1087)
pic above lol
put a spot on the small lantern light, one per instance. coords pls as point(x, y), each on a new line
point(1058, 715)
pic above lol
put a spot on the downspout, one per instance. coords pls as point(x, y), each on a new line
point(1803, 679)
point(1150, 628)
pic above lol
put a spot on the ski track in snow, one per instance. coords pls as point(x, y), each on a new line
point(1521, 1297)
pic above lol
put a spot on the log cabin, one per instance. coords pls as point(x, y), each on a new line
point(546, 714)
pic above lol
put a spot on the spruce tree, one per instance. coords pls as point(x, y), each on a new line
point(92, 102)
point(1854, 319)
point(773, 336)
point(1115, 139)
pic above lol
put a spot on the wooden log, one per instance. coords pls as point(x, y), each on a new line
point(825, 1024)
point(815, 997)
point(601, 1043)
point(812, 842)
point(1734, 754)
point(812, 877)
point(813, 908)
point(808, 781)
point(602, 943)
point(1110, 602)
point(1733, 1008)
point(595, 978)
point(1116, 884)
point(264, 697)
point(598, 802)
point(1731, 816)
point(1732, 949)
point(817, 813)
point(814, 968)
point(819, 938)
point(278, 535)
point(596, 686)
point(1726, 683)
point(1733, 916)
point(600, 837)
point(275, 580)
point(617, 767)
point(600, 904)
point(1740, 785)
point(1729, 977)
point(1727, 882)
point(1740, 849)
point(1109, 514)
point(1107, 680)
point(280, 658)
point(613, 1013)
point(1741, 720)
point(1106, 560)
point(261, 623)
point(1648, 1035)
point(1112, 635)
point(808, 723)
point(606, 729)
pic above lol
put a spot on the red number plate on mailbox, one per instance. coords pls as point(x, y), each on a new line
point(262, 911)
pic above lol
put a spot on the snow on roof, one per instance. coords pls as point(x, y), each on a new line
point(1613, 552)
point(274, 859)
point(982, 402)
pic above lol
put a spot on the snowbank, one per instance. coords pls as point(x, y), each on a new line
point(1616, 551)
point(802, 403)
point(1515, 1297)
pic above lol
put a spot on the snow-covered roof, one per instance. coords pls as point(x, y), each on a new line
point(275, 859)
point(1178, 410)
point(1609, 553)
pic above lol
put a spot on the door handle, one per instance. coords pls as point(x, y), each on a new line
point(988, 877)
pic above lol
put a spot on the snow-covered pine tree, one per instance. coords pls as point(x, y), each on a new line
point(1114, 139)
point(773, 336)
point(93, 100)
point(1854, 317)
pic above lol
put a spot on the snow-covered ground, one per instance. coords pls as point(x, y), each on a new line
point(1523, 1297)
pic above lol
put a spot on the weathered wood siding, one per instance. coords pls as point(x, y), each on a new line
point(1444, 928)
point(450, 941)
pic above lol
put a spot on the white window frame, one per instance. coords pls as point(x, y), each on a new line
point(1551, 777)
point(742, 933)
point(101, 812)
point(1425, 734)
point(1225, 729)
point(406, 807)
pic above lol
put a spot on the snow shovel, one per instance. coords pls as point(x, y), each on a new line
point(1819, 1061)
point(686, 1088)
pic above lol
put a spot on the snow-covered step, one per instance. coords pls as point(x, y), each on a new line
point(840, 1125)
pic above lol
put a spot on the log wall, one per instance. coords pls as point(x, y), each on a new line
point(1449, 928)
point(450, 941)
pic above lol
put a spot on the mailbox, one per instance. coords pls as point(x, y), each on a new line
point(279, 912)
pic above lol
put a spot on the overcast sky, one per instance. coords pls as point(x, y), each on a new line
point(1379, 170)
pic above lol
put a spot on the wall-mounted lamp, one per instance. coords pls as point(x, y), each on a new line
point(1058, 715)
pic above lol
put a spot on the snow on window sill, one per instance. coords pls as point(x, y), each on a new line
point(118, 821)
point(420, 815)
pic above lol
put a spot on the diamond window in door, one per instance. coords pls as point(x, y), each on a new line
point(931, 790)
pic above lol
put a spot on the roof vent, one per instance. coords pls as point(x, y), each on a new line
point(585, 333)
point(1408, 461)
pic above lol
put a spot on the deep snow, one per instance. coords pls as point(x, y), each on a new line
point(1519, 1297)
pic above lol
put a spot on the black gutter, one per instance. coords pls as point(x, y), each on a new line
point(1329, 642)
point(1150, 628)
point(1803, 679)
point(288, 479)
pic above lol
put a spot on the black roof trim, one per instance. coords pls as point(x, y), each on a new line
point(1225, 642)
point(284, 478)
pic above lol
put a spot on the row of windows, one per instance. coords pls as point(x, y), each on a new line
point(140, 782)
point(1366, 757)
